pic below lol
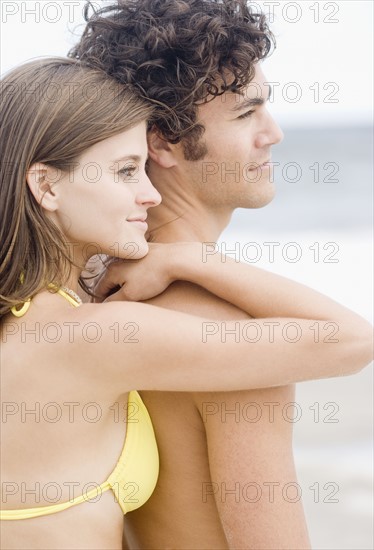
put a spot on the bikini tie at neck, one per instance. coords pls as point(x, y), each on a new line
point(64, 291)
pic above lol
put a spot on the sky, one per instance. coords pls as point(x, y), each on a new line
point(321, 70)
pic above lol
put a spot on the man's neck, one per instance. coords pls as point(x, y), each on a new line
point(179, 220)
point(184, 214)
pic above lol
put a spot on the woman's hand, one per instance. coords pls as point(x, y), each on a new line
point(138, 280)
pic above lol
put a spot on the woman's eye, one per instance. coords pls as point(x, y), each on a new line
point(128, 171)
point(246, 115)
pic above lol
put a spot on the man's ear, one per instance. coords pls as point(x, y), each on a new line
point(41, 180)
point(160, 150)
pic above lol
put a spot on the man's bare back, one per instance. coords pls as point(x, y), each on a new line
point(214, 464)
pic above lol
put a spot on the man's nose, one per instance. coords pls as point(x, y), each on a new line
point(271, 133)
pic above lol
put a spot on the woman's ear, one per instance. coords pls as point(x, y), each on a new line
point(41, 179)
point(161, 151)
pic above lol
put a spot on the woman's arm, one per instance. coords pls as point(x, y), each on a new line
point(260, 293)
point(149, 348)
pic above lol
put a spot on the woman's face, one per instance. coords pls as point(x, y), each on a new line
point(103, 200)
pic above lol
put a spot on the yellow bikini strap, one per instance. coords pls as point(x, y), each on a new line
point(66, 293)
point(70, 296)
point(19, 312)
point(25, 306)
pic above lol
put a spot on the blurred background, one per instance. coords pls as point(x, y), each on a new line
point(318, 229)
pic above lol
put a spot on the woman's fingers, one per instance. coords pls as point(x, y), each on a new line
point(111, 279)
point(117, 295)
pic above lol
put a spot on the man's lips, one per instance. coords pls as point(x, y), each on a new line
point(264, 165)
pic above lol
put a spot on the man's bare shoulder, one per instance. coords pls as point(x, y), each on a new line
point(195, 300)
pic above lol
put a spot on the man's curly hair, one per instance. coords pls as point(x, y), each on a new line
point(176, 52)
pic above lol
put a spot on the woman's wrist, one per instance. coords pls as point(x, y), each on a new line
point(191, 263)
point(179, 257)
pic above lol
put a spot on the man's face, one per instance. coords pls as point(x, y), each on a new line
point(239, 133)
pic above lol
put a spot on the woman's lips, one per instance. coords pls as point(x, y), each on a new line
point(141, 224)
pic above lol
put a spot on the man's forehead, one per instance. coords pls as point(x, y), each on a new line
point(256, 92)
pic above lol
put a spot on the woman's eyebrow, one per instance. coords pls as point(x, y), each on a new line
point(137, 158)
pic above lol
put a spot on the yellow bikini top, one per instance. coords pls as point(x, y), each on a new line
point(134, 478)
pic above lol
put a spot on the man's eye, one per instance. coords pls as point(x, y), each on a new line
point(246, 115)
point(128, 171)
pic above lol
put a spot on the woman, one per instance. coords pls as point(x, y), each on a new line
point(74, 431)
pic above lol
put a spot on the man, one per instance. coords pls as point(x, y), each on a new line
point(222, 469)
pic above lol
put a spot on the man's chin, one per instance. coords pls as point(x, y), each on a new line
point(264, 202)
point(257, 199)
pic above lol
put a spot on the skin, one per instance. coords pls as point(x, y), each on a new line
point(78, 198)
point(197, 449)
point(72, 369)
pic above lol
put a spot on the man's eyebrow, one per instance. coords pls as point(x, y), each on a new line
point(251, 102)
